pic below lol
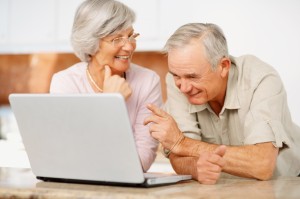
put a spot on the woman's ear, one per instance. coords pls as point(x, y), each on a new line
point(225, 64)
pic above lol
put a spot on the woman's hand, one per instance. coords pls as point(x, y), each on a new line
point(115, 84)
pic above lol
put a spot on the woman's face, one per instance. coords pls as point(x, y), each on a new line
point(116, 51)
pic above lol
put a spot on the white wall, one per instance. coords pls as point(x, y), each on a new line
point(36, 25)
point(269, 29)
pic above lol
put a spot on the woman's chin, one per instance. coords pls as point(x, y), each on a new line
point(120, 69)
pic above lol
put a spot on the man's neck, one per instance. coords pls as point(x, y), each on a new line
point(217, 104)
point(216, 107)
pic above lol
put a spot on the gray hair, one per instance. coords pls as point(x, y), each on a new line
point(95, 19)
point(210, 35)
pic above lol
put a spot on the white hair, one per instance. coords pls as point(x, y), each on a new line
point(210, 35)
point(95, 19)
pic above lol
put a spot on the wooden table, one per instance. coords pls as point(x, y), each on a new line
point(21, 183)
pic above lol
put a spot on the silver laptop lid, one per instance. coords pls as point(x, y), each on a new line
point(75, 136)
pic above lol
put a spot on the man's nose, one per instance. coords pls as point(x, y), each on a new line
point(184, 86)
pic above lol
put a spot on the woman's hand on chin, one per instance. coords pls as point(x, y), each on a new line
point(115, 84)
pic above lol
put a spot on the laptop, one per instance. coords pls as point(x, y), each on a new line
point(82, 138)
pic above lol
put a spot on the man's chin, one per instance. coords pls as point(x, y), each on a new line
point(195, 101)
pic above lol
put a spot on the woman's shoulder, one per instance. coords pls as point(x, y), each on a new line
point(145, 84)
point(75, 70)
point(142, 73)
point(70, 76)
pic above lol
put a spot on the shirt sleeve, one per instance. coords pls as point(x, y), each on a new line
point(146, 145)
point(178, 106)
point(268, 112)
point(61, 83)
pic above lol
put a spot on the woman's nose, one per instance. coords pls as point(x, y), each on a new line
point(129, 46)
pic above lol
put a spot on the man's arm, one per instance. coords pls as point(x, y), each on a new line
point(184, 165)
point(206, 169)
point(252, 161)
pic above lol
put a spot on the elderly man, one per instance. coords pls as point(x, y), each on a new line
point(225, 114)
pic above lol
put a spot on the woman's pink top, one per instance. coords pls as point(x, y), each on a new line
point(146, 89)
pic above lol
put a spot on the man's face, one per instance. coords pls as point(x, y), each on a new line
point(193, 74)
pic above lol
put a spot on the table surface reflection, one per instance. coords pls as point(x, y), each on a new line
point(21, 183)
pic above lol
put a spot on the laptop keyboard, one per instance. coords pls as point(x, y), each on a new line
point(157, 175)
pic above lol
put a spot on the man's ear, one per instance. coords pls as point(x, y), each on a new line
point(225, 64)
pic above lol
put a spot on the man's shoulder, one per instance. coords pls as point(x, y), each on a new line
point(251, 66)
point(252, 62)
point(251, 71)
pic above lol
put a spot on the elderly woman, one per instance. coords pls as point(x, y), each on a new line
point(104, 40)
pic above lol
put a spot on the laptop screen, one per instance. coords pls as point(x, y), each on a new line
point(75, 136)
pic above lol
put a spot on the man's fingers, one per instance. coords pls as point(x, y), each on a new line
point(156, 128)
point(151, 118)
point(217, 156)
point(220, 150)
point(210, 165)
point(157, 111)
point(107, 72)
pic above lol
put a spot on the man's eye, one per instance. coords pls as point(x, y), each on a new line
point(117, 39)
point(191, 76)
point(176, 78)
